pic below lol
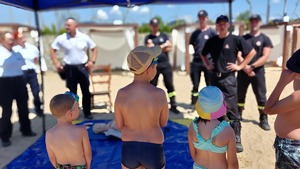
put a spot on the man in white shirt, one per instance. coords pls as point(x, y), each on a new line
point(30, 54)
point(12, 87)
point(77, 63)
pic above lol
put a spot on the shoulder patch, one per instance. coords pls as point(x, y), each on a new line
point(226, 46)
point(258, 43)
point(161, 39)
point(206, 37)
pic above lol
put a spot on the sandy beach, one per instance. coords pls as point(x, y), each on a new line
point(258, 144)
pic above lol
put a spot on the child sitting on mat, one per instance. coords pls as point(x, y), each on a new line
point(210, 139)
point(141, 109)
point(68, 145)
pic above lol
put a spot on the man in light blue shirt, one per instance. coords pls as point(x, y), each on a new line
point(12, 87)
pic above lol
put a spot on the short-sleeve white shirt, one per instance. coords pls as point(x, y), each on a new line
point(29, 53)
point(10, 63)
point(74, 47)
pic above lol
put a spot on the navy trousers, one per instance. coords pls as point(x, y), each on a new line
point(79, 74)
point(258, 83)
point(31, 79)
point(13, 88)
point(167, 73)
point(195, 74)
point(228, 85)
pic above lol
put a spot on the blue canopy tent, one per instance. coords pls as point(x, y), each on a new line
point(44, 5)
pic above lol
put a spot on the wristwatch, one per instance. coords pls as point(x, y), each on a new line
point(93, 61)
point(252, 66)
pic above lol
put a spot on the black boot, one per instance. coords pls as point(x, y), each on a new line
point(236, 125)
point(173, 105)
point(263, 120)
point(241, 109)
point(194, 100)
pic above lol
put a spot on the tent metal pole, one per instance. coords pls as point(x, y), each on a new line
point(36, 16)
point(230, 16)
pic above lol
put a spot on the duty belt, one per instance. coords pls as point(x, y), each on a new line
point(222, 75)
point(29, 71)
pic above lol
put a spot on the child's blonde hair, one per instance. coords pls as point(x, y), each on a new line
point(61, 104)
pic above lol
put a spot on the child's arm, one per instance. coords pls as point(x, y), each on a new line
point(86, 147)
point(164, 114)
point(231, 150)
point(50, 152)
point(191, 139)
point(118, 115)
point(290, 103)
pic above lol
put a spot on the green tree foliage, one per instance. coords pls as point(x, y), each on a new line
point(46, 31)
point(52, 31)
point(244, 18)
point(163, 27)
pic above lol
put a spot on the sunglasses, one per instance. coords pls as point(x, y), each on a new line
point(76, 99)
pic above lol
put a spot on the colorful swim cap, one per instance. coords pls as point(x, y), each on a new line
point(210, 104)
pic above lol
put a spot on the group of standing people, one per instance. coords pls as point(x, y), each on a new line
point(17, 68)
point(220, 54)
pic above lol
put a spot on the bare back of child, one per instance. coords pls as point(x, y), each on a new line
point(67, 145)
point(211, 139)
point(141, 110)
point(224, 139)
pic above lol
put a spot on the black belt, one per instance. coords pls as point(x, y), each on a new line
point(223, 75)
point(76, 65)
point(29, 71)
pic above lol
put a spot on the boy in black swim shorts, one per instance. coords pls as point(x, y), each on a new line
point(141, 109)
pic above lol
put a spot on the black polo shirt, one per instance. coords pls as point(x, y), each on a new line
point(163, 58)
point(225, 50)
point(198, 40)
point(258, 43)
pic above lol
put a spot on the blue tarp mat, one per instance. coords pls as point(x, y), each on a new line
point(107, 151)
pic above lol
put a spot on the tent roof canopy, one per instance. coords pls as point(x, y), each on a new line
point(40, 5)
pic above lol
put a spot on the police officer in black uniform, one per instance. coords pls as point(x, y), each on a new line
point(198, 39)
point(254, 73)
point(164, 67)
point(224, 49)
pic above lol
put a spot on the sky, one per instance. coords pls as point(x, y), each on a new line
point(142, 14)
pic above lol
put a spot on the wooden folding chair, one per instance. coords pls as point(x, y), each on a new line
point(101, 80)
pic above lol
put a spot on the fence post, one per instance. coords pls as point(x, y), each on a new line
point(187, 53)
point(286, 45)
point(295, 39)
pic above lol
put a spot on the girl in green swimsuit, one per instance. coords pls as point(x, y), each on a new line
point(210, 137)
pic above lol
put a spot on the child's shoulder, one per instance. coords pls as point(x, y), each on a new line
point(55, 129)
point(79, 128)
point(192, 124)
point(50, 130)
point(160, 92)
point(123, 90)
point(227, 131)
